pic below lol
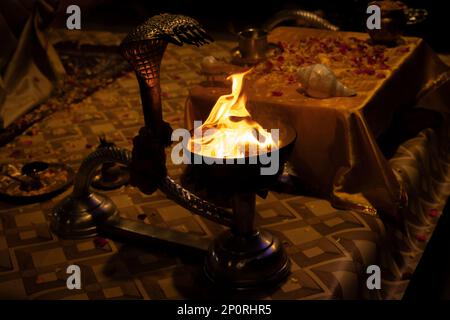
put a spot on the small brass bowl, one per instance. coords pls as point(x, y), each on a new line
point(393, 22)
point(253, 47)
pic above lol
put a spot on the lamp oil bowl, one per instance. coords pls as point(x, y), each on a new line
point(259, 169)
point(233, 148)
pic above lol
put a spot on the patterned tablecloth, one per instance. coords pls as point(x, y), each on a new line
point(330, 249)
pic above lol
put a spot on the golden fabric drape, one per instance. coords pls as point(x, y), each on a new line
point(336, 154)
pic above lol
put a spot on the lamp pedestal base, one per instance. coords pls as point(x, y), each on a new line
point(80, 217)
point(250, 262)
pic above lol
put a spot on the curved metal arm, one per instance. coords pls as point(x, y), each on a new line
point(434, 84)
point(87, 169)
point(195, 204)
point(168, 186)
point(310, 18)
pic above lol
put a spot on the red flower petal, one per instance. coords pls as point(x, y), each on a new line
point(15, 154)
point(433, 213)
point(100, 242)
point(403, 49)
point(421, 237)
point(277, 93)
point(291, 79)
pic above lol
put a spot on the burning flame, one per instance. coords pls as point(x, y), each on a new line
point(230, 131)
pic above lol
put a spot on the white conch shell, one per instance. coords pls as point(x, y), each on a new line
point(320, 82)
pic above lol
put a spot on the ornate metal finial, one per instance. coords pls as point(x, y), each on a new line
point(145, 45)
point(176, 29)
point(144, 49)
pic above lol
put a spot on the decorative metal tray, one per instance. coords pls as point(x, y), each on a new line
point(43, 181)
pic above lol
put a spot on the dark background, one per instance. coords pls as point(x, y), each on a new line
point(232, 15)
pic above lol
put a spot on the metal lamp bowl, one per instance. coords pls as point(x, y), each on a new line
point(247, 174)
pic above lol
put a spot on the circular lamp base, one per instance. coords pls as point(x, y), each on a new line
point(78, 218)
point(257, 261)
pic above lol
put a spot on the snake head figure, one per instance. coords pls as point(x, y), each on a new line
point(144, 49)
point(176, 29)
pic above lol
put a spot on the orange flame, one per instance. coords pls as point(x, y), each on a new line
point(229, 131)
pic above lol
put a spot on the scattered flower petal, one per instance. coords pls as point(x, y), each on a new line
point(421, 237)
point(277, 93)
point(433, 213)
point(100, 242)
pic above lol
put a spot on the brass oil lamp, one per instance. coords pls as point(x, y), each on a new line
point(244, 256)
